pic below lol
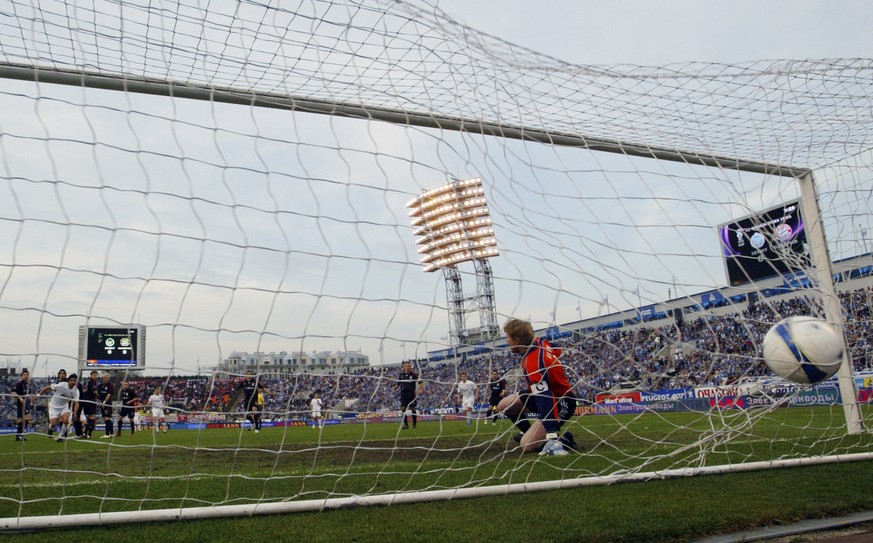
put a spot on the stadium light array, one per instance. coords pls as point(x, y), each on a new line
point(453, 225)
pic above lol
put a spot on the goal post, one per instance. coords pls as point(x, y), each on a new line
point(833, 311)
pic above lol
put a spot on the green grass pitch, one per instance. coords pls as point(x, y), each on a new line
point(187, 468)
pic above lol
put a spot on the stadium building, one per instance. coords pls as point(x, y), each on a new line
point(318, 363)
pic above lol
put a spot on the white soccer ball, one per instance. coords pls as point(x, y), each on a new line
point(805, 350)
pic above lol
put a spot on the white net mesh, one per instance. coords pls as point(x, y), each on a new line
point(229, 230)
point(413, 58)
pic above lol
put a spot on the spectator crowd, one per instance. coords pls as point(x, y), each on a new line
point(704, 349)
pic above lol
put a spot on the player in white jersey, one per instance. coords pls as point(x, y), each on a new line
point(63, 394)
point(62, 378)
point(159, 416)
point(316, 405)
point(468, 395)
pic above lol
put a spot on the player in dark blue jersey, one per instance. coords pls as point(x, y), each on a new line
point(496, 392)
point(129, 399)
point(77, 414)
point(251, 389)
point(407, 381)
point(105, 393)
point(21, 393)
point(89, 403)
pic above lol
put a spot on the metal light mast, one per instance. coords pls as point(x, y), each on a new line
point(453, 225)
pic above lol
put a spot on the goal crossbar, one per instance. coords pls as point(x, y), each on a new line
point(344, 109)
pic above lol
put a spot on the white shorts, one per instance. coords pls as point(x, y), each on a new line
point(158, 413)
point(58, 412)
point(467, 404)
point(316, 414)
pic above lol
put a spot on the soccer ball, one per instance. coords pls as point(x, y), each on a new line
point(805, 350)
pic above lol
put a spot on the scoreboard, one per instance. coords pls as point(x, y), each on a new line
point(112, 347)
point(765, 244)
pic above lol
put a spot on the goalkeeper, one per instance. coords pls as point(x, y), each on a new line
point(549, 401)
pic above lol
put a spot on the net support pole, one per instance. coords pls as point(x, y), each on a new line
point(824, 278)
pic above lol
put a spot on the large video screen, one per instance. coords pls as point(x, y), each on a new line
point(112, 346)
point(765, 245)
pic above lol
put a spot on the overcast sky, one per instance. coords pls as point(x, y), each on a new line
point(642, 32)
point(230, 228)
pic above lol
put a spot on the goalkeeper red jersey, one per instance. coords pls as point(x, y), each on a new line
point(543, 369)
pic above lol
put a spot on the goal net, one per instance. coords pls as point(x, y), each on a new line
point(234, 179)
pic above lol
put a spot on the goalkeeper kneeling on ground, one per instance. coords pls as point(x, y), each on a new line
point(540, 412)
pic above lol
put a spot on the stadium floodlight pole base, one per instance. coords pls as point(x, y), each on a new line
point(23, 524)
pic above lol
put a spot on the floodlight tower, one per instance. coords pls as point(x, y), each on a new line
point(453, 225)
